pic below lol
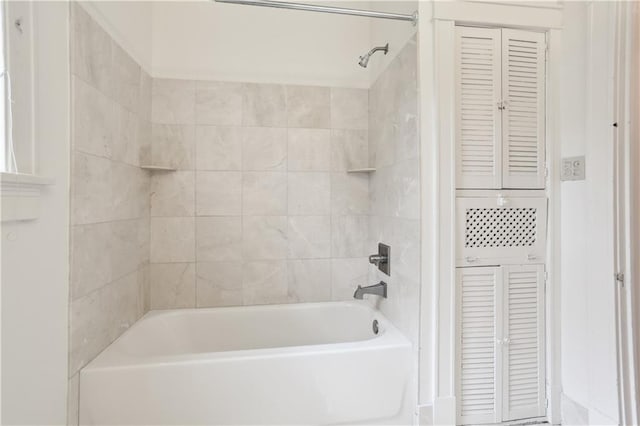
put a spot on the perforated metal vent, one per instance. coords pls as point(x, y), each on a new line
point(500, 227)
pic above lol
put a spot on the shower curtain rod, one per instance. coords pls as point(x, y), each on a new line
point(413, 18)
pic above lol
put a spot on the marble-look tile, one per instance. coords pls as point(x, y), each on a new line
point(349, 108)
point(218, 148)
point(218, 103)
point(91, 46)
point(264, 282)
point(126, 79)
point(91, 199)
point(129, 191)
point(124, 248)
point(308, 106)
point(349, 236)
point(88, 328)
point(173, 101)
point(93, 120)
point(144, 289)
point(173, 194)
point(264, 237)
point(309, 237)
point(264, 149)
point(406, 185)
point(90, 258)
point(144, 142)
point(349, 150)
point(73, 401)
point(264, 105)
point(218, 238)
point(218, 193)
point(173, 146)
point(405, 256)
point(219, 284)
point(308, 150)
point(346, 275)
point(144, 239)
point(125, 145)
point(144, 99)
point(173, 285)
point(407, 143)
point(98, 318)
point(349, 194)
point(123, 304)
point(172, 239)
point(264, 193)
point(309, 193)
point(309, 280)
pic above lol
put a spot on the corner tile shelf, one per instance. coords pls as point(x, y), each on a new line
point(157, 168)
point(363, 170)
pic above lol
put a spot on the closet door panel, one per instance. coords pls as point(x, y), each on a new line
point(523, 119)
point(478, 93)
point(523, 342)
point(478, 328)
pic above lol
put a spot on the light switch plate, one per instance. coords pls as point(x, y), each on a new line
point(573, 168)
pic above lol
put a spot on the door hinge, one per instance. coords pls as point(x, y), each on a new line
point(620, 278)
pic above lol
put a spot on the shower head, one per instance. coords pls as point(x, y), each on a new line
point(364, 60)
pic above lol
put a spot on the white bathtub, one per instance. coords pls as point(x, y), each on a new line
point(317, 363)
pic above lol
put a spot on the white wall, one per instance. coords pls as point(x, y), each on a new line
point(208, 40)
point(214, 41)
point(128, 23)
point(589, 372)
point(35, 254)
point(396, 33)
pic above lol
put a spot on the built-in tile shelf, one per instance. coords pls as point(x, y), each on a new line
point(21, 195)
point(362, 170)
point(158, 168)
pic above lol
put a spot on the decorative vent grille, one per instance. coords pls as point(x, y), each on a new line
point(500, 227)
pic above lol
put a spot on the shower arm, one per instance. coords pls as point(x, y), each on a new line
point(384, 48)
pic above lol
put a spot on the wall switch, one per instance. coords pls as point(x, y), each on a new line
point(573, 168)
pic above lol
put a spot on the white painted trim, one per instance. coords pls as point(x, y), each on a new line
point(503, 15)
point(20, 196)
point(553, 287)
point(429, 206)
point(625, 196)
point(444, 408)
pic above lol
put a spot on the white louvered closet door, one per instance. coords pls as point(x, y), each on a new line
point(523, 119)
point(478, 328)
point(478, 66)
point(523, 342)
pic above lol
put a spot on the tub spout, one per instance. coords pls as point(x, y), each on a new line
point(379, 289)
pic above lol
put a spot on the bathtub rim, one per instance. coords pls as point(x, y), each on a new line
point(109, 358)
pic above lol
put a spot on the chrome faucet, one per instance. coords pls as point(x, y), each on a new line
point(379, 289)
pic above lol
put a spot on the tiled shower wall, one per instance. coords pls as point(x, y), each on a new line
point(395, 193)
point(111, 109)
point(261, 208)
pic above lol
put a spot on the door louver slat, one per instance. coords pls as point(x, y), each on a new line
point(478, 119)
point(523, 117)
point(479, 378)
point(523, 366)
